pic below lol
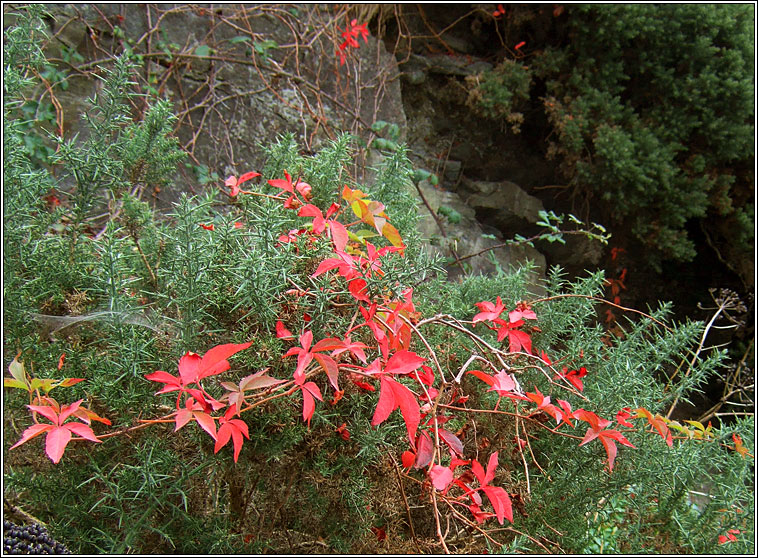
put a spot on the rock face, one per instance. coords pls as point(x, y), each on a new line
point(457, 234)
point(503, 205)
point(237, 82)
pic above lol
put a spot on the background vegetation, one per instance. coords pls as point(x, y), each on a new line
point(93, 271)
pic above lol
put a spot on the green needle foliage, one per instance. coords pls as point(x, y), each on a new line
point(130, 296)
point(651, 110)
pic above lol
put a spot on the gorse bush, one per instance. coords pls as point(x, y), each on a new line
point(651, 111)
point(321, 293)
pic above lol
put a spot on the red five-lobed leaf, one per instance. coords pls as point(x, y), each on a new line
point(608, 438)
point(59, 434)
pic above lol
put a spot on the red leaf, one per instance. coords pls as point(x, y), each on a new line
point(489, 311)
point(622, 415)
point(214, 361)
point(285, 185)
point(60, 361)
point(339, 235)
point(380, 533)
point(592, 419)
point(608, 439)
point(56, 443)
point(385, 405)
point(82, 430)
point(247, 176)
point(658, 423)
point(68, 382)
point(282, 332)
point(189, 366)
point(441, 477)
point(359, 289)
point(310, 390)
point(206, 422)
point(403, 362)
point(31, 432)
point(68, 410)
point(258, 380)
point(47, 412)
point(424, 451)
point(501, 503)
point(486, 378)
point(451, 440)
point(233, 429)
point(503, 383)
point(491, 468)
point(330, 367)
point(172, 382)
point(408, 459)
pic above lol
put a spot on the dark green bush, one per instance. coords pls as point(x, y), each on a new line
point(651, 108)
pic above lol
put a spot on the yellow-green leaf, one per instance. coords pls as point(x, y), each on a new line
point(16, 369)
point(11, 382)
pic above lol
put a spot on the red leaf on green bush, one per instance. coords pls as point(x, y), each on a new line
point(231, 428)
point(285, 185)
point(56, 442)
point(441, 477)
point(343, 431)
point(608, 438)
point(424, 450)
point(624, 414)
point(486, 378)
point(658, 423)
point(359, 289)
point(408, 459)
point(452, 440)
point(543, 404)
point(330, 367)
point(595, 422)
point(503, 383)
point(739, 447)
point(339, 235)
point(68, 382)
point(31, 432)
point(394, 395)
point(304, 356)
point(523, 310)
point(501, 502)
point(309, 391)
point(214, 361)
point(282, 332)
point(403, 362)
point(85, 415)
point(59, 434)
point(489, 311)
point(479, 515)
point(517, 339)
point(573, 377)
